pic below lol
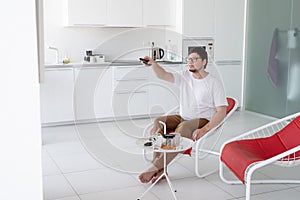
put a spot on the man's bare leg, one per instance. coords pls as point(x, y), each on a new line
point(147, 176)
point(157, 175)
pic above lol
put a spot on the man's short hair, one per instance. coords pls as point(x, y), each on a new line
point(201, 52)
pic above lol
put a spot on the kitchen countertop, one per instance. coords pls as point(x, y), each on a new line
point(75, 65)
point(105, 64)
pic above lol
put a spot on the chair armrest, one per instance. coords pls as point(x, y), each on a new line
point(275, 160)
point(265, 130)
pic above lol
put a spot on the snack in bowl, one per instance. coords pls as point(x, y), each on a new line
point(164, 146)
point(169, 142)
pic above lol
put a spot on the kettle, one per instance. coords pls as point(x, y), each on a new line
point(157, 53)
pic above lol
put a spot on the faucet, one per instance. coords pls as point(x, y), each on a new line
point(56, 53)
point(152, 52)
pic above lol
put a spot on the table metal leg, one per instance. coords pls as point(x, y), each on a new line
point(168, 180)
point(160, 177)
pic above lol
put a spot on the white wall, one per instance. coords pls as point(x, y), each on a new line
point(20, 144)
point(74, 41)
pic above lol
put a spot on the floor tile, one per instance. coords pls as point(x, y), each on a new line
point(76, 162)
point(177, 171)
point(130, 193)
point(297, 187)
point(56, 187)
point(45, 154)
point(207, 164)
point(104, 152)
point(69, 198)
point(49, 167)
point(100, 180)
point(289, 194)
point(90, 131)
point(190, 188)
point(106, 159)
point(58, 134)
point(65, 148)
point(239, 190)
point(277, 172)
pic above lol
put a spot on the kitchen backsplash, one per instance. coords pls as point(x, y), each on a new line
point(131, 44)
point(114, 43)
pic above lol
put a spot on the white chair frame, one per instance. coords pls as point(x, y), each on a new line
point(217, 130)
point(280, 159)
point(199, 143)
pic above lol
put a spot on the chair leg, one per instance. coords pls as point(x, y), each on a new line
point(197, 162)
point(248, 194)
point(222, 177)
point(248, 182)
point(248, 187)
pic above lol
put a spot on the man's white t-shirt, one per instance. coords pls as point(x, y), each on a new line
point(199, 97)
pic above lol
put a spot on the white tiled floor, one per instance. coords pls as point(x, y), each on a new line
point(102, 161)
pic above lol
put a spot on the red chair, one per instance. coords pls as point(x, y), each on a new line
point(275, 143)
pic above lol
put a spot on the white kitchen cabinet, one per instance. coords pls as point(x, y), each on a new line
point(232, 76)
point(120, 13)
point(229, 29)
point(198, 18)
point(93, 93)
point(218, 19)
point(124, 13)
point(130, 91)
point(57, 96)
point(159, 12)
point(163, 96)
point(103, 95)
point(86, 12)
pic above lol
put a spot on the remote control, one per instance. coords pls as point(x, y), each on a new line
point(145, 61)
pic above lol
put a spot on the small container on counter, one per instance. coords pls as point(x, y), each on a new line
point(100, 58)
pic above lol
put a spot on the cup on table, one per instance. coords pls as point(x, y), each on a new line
point(158, 141)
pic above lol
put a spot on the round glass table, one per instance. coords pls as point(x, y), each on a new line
point(185, 143)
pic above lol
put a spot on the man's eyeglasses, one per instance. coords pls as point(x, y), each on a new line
point(192, 59)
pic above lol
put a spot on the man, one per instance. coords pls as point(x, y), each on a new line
point(202, 105)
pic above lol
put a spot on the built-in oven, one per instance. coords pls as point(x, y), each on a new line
point(206, 43)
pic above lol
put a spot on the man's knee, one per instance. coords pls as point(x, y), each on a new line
point(186, 128)
point(182, 125)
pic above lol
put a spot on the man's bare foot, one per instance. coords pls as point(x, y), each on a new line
point(157, 175)
point(146, 176)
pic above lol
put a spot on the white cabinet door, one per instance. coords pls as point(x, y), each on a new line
point(93, 93)
point(130, 86)
point(124, 13)
point(86, 12)
point(163, 96)
point(103, 95)
point(159, 12)
point(198, 18)
point(232, 76)
point(129, 104)
point(57, 96)
point(229, 30)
